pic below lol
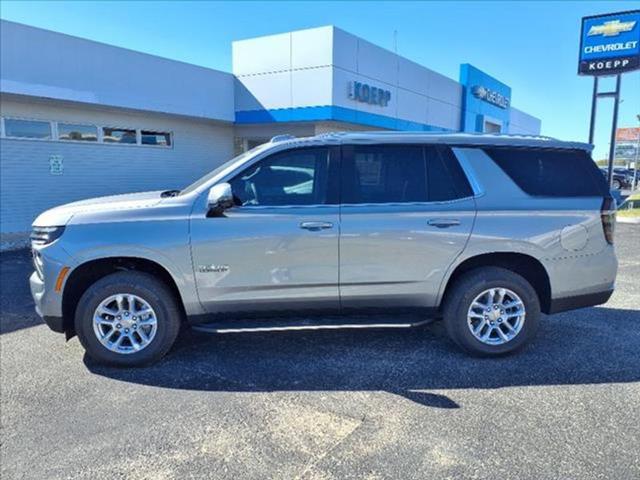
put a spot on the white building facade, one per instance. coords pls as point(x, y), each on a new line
point(82, 119)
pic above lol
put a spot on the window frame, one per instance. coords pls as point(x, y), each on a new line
point(156, 132)
point(82, 124)
point(347, 156)
point(52, 130)
point(331, 168)
point(55, 133)
point(590, 171)
point(120, 127)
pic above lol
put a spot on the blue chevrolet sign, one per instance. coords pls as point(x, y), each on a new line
point(610, 44)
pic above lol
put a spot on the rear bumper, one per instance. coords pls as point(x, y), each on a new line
point(580, 301)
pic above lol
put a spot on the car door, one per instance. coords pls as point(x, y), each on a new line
point(407, 211)
point(277, 249)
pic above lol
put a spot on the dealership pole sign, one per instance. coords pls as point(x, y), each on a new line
point(610, 44)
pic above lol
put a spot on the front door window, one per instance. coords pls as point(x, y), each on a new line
point(295, 177)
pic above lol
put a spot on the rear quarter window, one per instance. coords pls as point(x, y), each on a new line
point(551, 172)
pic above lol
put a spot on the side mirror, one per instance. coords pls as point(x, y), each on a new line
point(220, 198)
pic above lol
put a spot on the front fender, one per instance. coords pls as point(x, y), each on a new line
point(165, 243)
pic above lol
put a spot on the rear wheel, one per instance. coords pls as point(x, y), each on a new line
point(127, 319)
point(491, 311)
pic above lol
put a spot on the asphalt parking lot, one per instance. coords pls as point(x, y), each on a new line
point(353, 404)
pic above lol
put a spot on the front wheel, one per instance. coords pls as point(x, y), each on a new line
point(127, 319)
point(491, 311)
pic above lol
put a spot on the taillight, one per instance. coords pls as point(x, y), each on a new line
point(608, 216)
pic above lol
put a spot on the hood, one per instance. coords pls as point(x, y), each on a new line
point(60, 216)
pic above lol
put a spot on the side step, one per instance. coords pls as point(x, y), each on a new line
point(284, 325)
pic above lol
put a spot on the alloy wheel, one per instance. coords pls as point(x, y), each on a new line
point(125, 323)
point(496, 316)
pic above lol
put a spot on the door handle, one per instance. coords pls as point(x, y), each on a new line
point(316, 226)
point(444, 222)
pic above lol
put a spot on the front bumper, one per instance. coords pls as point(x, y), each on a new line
point(56, 324)
point(48, 300)
point(38, 292)
point(36, 284)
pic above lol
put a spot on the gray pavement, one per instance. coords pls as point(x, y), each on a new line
point(328, 405)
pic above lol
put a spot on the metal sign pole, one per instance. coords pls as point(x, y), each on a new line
point(636, 167)
point(594, 104)
point(614, 127)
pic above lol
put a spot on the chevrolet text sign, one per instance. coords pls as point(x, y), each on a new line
point(610, 44)
point(490, 96)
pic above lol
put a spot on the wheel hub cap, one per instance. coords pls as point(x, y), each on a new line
point(124, 323)
point(496, 316)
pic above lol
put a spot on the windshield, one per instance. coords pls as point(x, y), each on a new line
point(206, 178)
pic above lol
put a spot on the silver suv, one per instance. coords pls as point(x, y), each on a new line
point(484, 231)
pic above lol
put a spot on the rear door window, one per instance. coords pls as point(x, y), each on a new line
point(446, 178)
point(550, 172)
point(376, 174)
point(384, 174)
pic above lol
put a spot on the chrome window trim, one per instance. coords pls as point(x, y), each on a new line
point(404, 204)
point(368, 205)
point(284, 207)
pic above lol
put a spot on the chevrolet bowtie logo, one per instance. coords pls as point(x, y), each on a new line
point(611, 29)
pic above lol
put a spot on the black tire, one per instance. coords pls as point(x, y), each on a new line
point(467, 288)
point(154, 292)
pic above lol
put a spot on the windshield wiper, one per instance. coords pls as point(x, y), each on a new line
point(170, 193)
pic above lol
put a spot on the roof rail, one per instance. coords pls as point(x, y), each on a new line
point(281, 138)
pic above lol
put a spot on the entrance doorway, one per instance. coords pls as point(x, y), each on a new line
point(491, 127)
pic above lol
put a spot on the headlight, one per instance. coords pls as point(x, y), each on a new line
point(45, 235)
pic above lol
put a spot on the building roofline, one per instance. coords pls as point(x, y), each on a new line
point(110, 45)
point(286, 32)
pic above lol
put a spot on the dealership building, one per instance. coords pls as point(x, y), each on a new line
point(82, 119)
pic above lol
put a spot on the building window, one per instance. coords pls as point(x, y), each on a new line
point(119, 135)
point(162, 139)
point(33, 129)
point(80, 133)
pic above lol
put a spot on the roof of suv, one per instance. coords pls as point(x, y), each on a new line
point(457, 139)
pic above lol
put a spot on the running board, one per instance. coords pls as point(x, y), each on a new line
point(242, 326)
